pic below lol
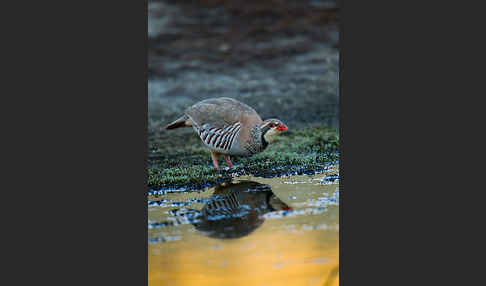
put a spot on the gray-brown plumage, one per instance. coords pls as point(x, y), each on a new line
point(229, 127)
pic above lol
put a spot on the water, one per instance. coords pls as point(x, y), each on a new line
point(254, 231)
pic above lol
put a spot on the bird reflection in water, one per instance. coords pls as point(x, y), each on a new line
point(236, 209)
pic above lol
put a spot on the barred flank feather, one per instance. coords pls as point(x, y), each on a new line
point(219, 138)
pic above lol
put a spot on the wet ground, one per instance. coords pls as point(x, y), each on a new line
point(252, 231)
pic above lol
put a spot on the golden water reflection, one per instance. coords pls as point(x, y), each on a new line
point(237, 209)
point(284, 231)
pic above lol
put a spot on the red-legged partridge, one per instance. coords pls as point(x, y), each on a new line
point(229, 127)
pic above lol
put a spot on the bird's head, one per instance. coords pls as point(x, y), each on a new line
point(271, 128)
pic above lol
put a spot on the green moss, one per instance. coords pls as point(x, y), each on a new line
point(186, 163)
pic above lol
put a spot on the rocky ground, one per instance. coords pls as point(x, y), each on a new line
point(279, 56)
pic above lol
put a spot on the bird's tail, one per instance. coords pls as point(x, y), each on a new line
point(181, 122)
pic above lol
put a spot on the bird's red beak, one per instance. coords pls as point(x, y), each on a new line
point(282, 127)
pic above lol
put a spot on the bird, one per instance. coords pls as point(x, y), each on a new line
point(229, 127)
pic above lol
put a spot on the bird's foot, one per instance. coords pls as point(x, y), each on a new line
point(214, 157)
point(227, 158)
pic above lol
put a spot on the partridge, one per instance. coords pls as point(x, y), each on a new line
point(229, 127)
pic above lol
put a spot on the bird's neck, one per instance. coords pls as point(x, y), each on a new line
point(264, 130)
point(256, 143)
point(264, 143)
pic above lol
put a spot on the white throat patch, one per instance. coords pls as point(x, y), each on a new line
point(271, 135)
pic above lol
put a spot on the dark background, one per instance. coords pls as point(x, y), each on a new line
point(279, 56)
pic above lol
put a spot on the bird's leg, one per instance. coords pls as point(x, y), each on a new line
point(214, 156)
point(227, 158)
